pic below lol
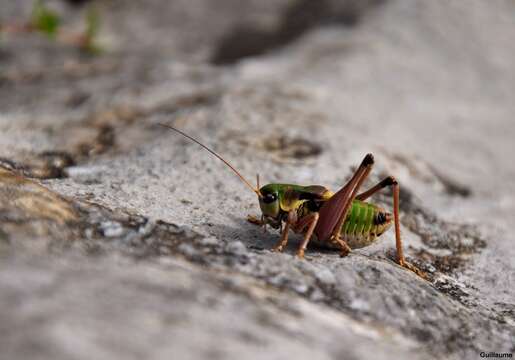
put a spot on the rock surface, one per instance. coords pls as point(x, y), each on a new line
point(121, 239)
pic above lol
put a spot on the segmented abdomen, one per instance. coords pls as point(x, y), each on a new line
point(364, 223)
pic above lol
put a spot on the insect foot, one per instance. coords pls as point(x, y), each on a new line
point(344, 253)
point(300, 254)
point(278, 248)
point(336, 240)
point(254, 220)
point(414, 269)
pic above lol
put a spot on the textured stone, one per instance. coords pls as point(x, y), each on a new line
point(121, 239)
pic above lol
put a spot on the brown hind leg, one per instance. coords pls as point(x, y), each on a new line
point(343, 200)
point(391, 181)
point(388, 181)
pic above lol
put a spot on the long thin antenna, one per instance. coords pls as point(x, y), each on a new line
point(218, 156)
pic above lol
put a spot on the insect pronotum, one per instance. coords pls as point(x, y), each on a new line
point(341, 220)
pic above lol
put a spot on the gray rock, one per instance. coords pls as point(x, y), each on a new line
point(120, 239)
point(80, 309)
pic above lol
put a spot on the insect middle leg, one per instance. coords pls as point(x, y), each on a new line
point(391, 181)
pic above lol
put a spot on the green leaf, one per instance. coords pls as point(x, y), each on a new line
point(44, 19)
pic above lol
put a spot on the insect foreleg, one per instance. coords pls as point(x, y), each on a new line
point(254, 220)
point(309, 221)
point(290, 219)
point(259, 222)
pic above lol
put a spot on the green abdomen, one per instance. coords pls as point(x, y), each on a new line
point(364, 223)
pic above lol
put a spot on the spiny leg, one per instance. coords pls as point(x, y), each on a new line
point(388, 181)
point(337, 207)
point(354, 185)
point(398, 240)
point(309, 221)
point(391, 181)
point(291, 219)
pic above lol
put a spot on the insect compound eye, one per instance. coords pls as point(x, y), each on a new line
point(269, 198)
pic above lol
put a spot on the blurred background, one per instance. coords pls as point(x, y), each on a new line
point(118, 238)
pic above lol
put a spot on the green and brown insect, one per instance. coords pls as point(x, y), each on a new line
point(341, 220)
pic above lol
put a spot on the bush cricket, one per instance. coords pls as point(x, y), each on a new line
point(341, 220)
